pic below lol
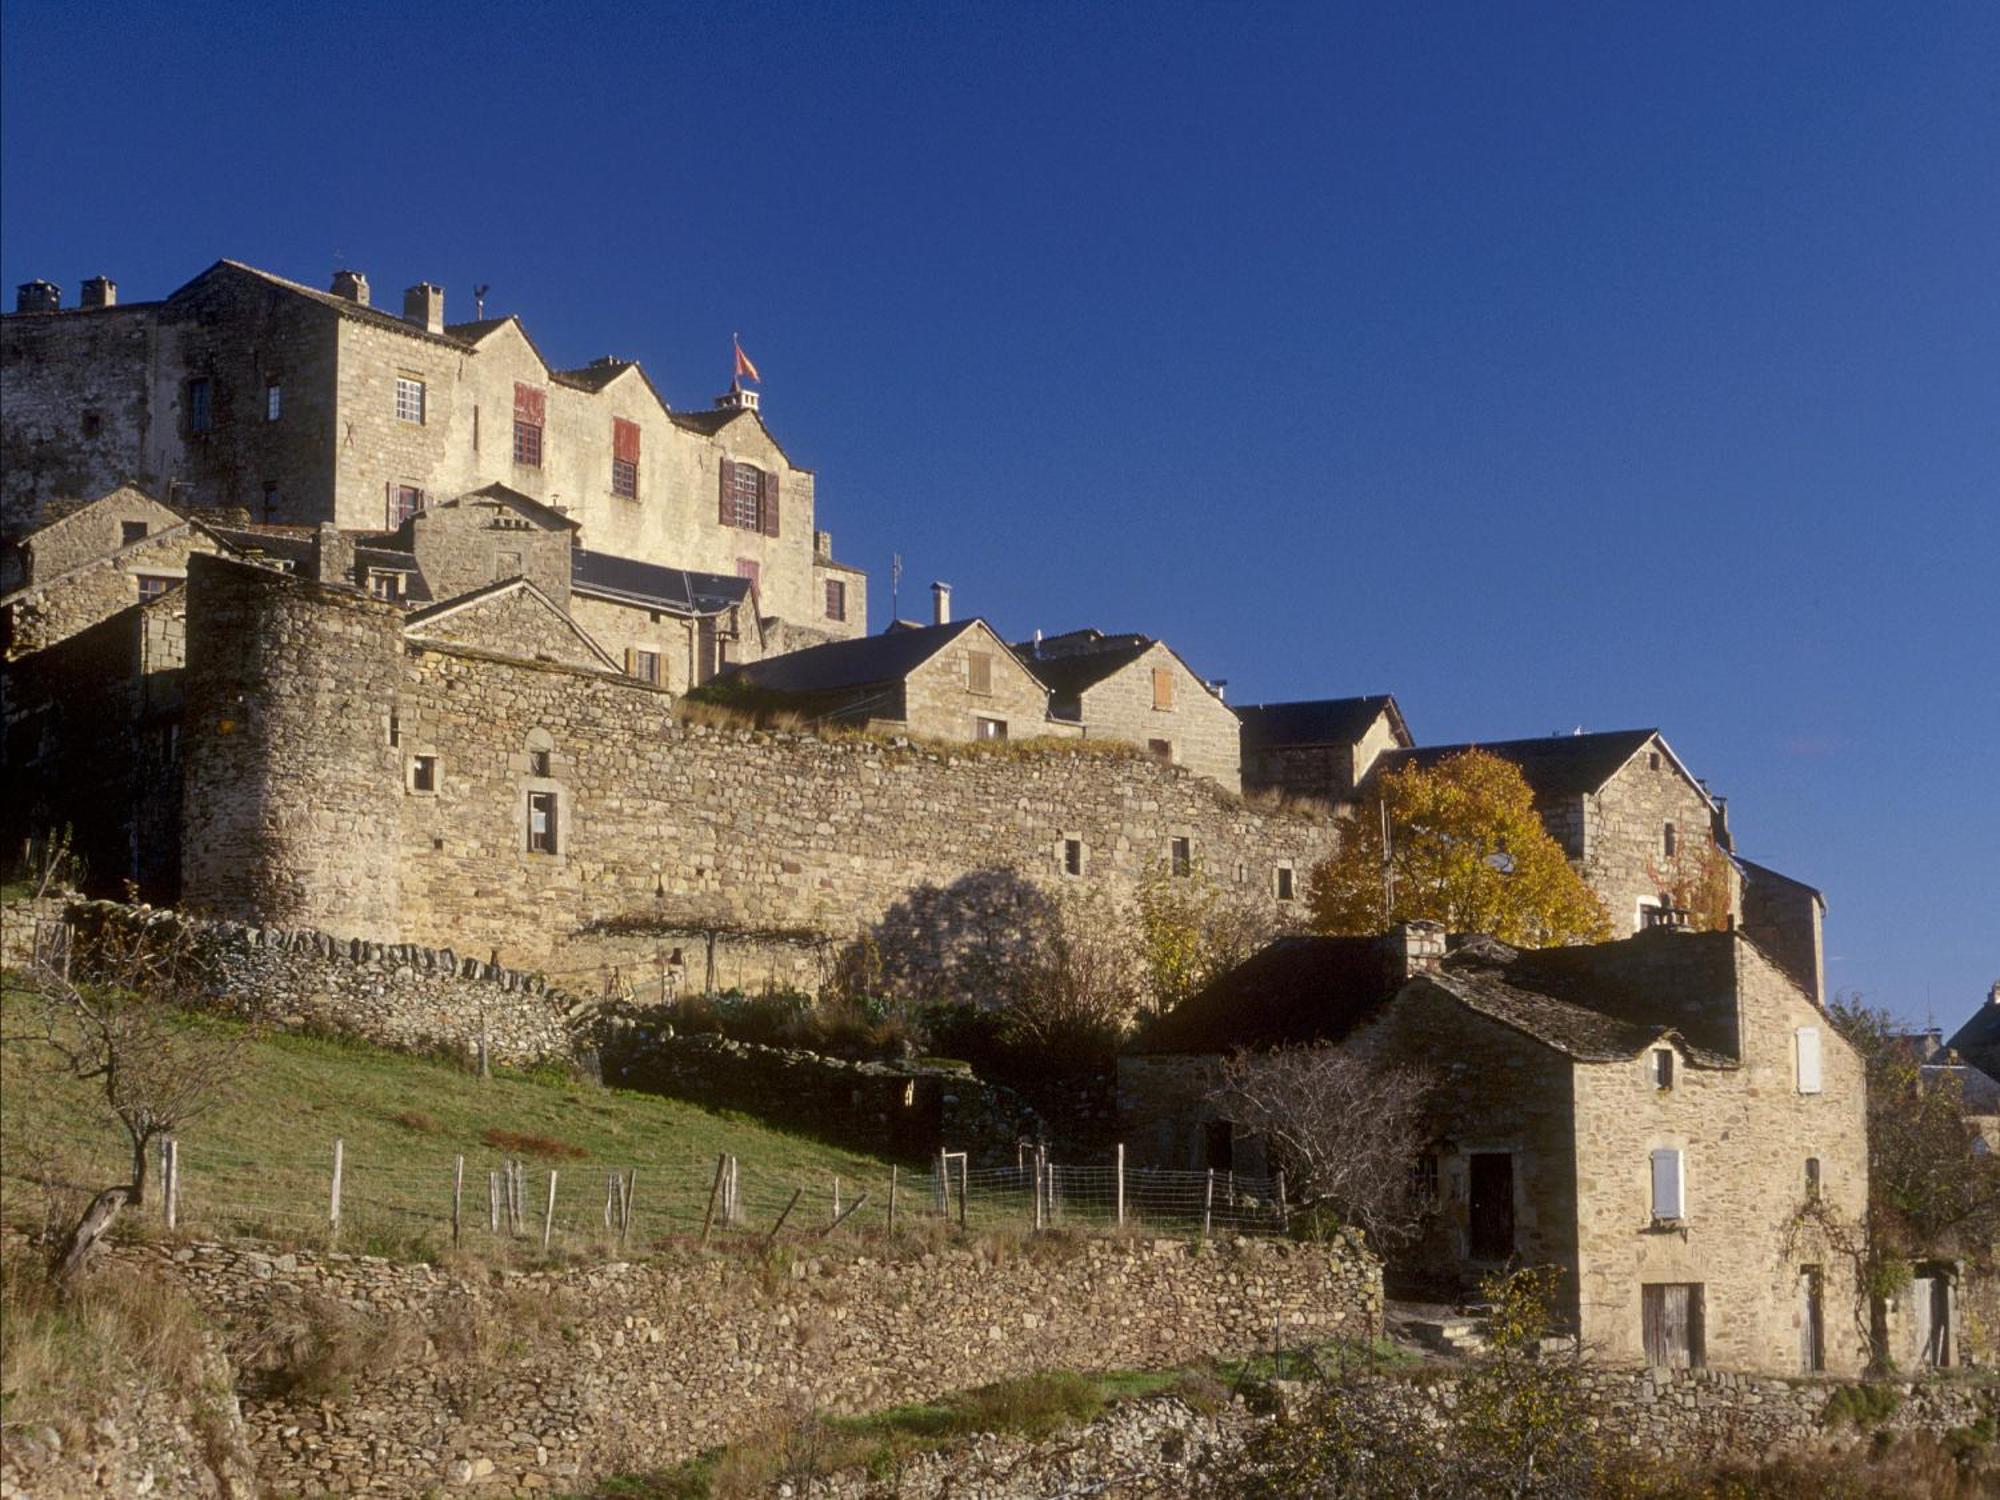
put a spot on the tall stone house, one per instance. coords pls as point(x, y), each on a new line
point(1138, 691)
point(242, 391)
point(1649, 1115)
point(1319, 748)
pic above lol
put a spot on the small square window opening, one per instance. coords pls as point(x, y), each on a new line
point(836, 599)
point(1072, 856)
point(646, 666)
point(541, 822)
point(409, 399)
point(1161, 750)
point(274, 401)
point(130, 532)
point(538, 762)
point(1180, 856)
point(1286, 891)
point(423, 773)
point(989, 729)
point(152, 586)
point(1663, 1067)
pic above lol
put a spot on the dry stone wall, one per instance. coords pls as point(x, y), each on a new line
point(538, 1381)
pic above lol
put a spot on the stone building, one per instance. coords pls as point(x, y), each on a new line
point(1648, 1115)
point(244, 390)
point(1137, 690)
point(1321, 748)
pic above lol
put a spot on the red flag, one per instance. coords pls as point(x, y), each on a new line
point(744, 369)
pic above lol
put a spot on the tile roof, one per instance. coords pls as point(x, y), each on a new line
point(1319, 721)
point(680, 591)
point(872, 659)
point(1556, 765)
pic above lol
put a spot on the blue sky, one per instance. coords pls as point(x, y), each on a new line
point(1544, 365)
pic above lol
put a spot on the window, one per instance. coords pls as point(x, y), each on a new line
point(395, 729)
point(1219, 1146)
point(1163, 689)
point(385, 585)
point(645, 665)
point(1806, 1045)
point(979, 671)
point(130, 532)
point(749, 498)
point(989, 729)
point(1662, 1067)
point(405, 500)
point(1653, 760)
point(409, 399)
point(530, 412)
point(1669, 1186)
point(1812, 1179)
point(1072, 856)
point(1180, 856)
point(1161, 750)
point(200, 406)
point(1667, 840)
point(92, 423)
point(541, 822)
point(423, 773)
point(1424, 1180)
point(1812, 1319)
point(538, 762)
point(1286, 891)
point(270, 500)
point(624, 459)
point(151, 586)
point(836, 599)
point(274, 400)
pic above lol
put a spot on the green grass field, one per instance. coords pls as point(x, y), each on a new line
point(261, 1162)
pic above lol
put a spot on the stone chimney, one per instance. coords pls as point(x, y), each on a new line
point(352, 285)
point(940, 604)
point(38, 296)
point(100, 291)
point(823, 545)
point(1412, 948)
point(332, 555)
point(1993, 995)
point(423, 304)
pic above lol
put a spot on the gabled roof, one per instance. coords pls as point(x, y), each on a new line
point(415, 623)
point(1556, 765)
point(680, 591)
point(1317, 721)
point(1574, 1030)
point(546, 516)
point(839, 665)
point(1978, 1040)
point(1765, 874)
point(1073, 675)
point(710, 421)
point(375, 316)
point(1294, 991)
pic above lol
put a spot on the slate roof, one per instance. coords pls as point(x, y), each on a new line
point(1759, 872)
point(547, 515)
point(1298, 989)
point(595, 377)
point(1979, 1089)
point(378, 316)
point(1556, 765)
point(707, 422)
point(1319, 721)
point(1070, 674)
point(681, 591)
point(1576, 1031)
point(475, 330)
point(851, 664)
point(1978, 1040)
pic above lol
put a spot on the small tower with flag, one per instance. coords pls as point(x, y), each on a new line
point(736, 398)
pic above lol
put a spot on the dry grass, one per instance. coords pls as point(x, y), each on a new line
point(417, 1120)
point(64, 1362)
point(527, 1143)
point(314, 1348)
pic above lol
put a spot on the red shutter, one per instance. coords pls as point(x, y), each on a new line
point(728, 472)
point(529, 404)
point(624, 440)
point(768, 496)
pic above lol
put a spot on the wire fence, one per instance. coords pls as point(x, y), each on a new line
point(410, 1204)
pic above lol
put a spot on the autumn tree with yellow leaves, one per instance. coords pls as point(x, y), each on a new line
point(1466, 849)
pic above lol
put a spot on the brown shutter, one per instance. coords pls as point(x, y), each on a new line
point(624, 440)
point(768, 495)
point(727, 470)
point(528, 404)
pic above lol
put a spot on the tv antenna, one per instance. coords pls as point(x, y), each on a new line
point(479, 299)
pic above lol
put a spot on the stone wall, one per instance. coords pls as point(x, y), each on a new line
point(73, 407)
point(397, 995)
point(47, 614)
point(1785, 918)
point(938, 701)
point(1624, 822)
point(543, 1380)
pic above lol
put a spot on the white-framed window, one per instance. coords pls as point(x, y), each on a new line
point(409, 399)
point(989, 729)
point(384, 584)
point(1669, 1183)
point(1180, 856)
point(274, 400)
point(644, 665)
point(1660, 1067)
point(1805, 1048)
point(152, 585)
point(542, 828)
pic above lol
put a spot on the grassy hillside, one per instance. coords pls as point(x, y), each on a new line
point(261, 1163)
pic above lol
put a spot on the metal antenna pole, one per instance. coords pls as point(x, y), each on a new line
point(1388, 870)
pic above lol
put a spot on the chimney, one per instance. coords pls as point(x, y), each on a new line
point(1993, 995)
point(1412, 948)
point(423, 304)
point(352, 285)
point(38, 296)
point(940, 604)
point(332, 555)
point(1931, 1044)
point(100, 291)
point(736, 399)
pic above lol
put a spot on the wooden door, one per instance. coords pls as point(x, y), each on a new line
point(1491, 1210)
point(1930, 1307)
point(1673, 1324)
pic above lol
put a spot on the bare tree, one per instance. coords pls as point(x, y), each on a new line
point(157, 1066)
point(1078, 984)
point(1347, 1131)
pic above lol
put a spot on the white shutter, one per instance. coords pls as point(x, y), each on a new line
point(1808, 1050)
point(1667, 1187)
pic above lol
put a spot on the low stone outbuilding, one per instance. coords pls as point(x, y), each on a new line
point(1658, 1117)
point(1320, 748)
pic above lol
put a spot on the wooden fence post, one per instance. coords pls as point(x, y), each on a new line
point(549, 1213)
point(786, 1213)
point(171, 1183)
point(625, 1205)
point(892, 1199)
point(1120, 1194)
point(943, 1193)
point(492, 1202)
point(836, 1200)
point(1208, 1204)
point(1284, 1212)
point(964, 1184)
point(852, 1209)
point(457, 1195)
point(714, 1192)
point(333, 1206)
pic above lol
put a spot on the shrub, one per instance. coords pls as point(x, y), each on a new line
point(1860, 1406)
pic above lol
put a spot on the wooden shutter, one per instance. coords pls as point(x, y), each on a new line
point(1808, 1050)
point(767, 501)
point(727, 470)
point(1667, 1188)
point(1163, 688)
point(529, 404)
point(624, 440)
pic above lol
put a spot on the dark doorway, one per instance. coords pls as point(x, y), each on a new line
point(1219, 1143)
point(1930, 1302)
point(1675, 1335)
point(1492, 1205)
point(1812, 1320)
